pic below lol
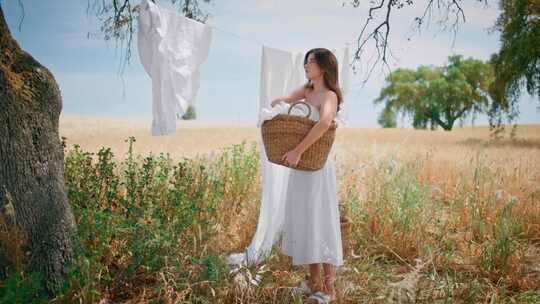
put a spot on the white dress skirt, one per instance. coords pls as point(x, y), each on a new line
point(311, 228)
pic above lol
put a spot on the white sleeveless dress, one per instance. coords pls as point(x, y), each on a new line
point(311, 228)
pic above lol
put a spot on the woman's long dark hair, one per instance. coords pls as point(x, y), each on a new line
point(328, 63)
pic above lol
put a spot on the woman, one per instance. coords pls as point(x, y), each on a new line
point(311, 232)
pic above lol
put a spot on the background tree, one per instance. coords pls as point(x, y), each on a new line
point(190, 113)
point(438, 96)
point(387, 118)
point(32, 190)
point(517, 63)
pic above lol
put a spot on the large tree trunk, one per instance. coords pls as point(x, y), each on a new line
point(32, 189)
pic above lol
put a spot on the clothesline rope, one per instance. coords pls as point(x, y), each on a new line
point(252, 40)
point(353, 84)
point(259, 43)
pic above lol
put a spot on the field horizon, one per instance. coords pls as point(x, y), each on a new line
point(193, 137)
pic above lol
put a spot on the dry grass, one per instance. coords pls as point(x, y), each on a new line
point(446, 154)
point(193, 137)
point(437, 216)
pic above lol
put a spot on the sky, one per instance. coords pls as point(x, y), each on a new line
point(87, 68)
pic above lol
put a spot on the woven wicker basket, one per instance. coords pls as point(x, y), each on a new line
point(284, 132)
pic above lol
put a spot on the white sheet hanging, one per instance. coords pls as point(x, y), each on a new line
point(171, 49)
point(281, 72)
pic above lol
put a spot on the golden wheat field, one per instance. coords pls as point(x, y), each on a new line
point(450, 217)
point(446, 150)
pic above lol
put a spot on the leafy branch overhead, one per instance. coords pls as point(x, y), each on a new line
point(377, 30)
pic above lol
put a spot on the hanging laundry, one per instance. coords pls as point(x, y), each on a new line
point(281, 73)
point(171, 49)
point(279, 69)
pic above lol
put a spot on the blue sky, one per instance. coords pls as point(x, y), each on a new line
point(87, 69)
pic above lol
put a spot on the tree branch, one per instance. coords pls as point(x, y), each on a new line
point(380, 40)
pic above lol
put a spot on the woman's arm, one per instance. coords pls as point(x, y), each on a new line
point(296, 95)
point(328, 112)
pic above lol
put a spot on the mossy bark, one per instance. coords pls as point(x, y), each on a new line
point(32, 188)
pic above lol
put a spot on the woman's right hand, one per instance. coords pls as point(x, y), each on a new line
point(275, 102)
point(295, 96)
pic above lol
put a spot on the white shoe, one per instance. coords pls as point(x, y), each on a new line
point(321, 297)
point(303, 288)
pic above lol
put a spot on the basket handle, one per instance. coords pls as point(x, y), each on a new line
point(309, 108)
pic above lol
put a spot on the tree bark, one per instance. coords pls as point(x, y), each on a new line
point(32, 188)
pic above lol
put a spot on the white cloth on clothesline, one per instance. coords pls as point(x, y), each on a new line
point(281, 73)
point(171, 49)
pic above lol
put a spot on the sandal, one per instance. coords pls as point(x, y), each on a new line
point(321, 297)
point(303, 288)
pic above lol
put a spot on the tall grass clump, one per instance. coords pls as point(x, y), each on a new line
point(146, 225)
point(417, 243)
point(154, 229)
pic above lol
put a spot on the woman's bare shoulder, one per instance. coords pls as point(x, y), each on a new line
point(331, 94)
point(331, 98)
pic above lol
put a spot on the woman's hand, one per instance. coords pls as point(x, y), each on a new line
point(275, 102)
point(296, 95)
point(292, 157)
